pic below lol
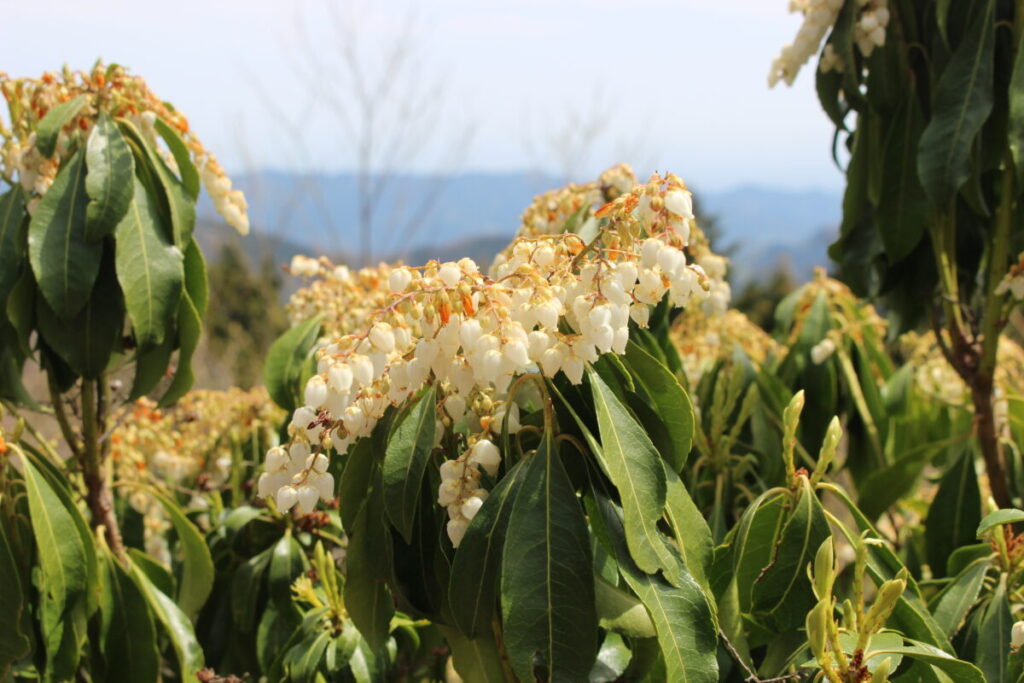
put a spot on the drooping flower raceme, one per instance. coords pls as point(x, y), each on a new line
point(551, 304)
point(819, 18)
point(124, 97)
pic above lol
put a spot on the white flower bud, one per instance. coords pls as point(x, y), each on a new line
point(399, 279)
point(471, 507)
point(307, 497)
point(450, 274)
point(1017, 635)
point(316, 391)
point(486, 455)
point(286, 497)
point(680, 203)
point(456, 530)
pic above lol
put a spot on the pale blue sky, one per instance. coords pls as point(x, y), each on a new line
point(686, 79)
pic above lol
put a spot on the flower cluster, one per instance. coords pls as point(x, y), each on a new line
point(345, 298)
point(819, 18)
point(703, 340)
point(1013, 282)
point(190, 445)
point(105, 89)
point(551, 303)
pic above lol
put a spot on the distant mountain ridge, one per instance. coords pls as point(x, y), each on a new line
point(474, 214)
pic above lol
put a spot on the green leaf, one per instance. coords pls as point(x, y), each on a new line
point(683, 618)
point(12, 239)
point(693, 535)
point(999, 517)
point(186, 169)
point(958, 598)
point(1015, 124)
point(65, 263)
point(903, 208)
point(670, 401)
point(150, 270)
point(14, 644)
point(127, 632)
point(367, 595)
point(473, 586)
point(67, 567)
point(197, 575)
point(197, 284)
point(547, 589)
point(620, 611)
point(631, 462)
point(175, 201)
point(282, 370)
point(405, 460)
point(150, 368)
point(993, 649)
point(963, 100)
point(954, 513)
point(246, 585)
point(355, 482)
point(87, 341)
point(110, 178)
point(190, 328)
point(50, 126)
point(475, 659)
point(175, 624)
point(958, 670)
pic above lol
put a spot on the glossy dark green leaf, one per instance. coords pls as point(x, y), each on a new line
point(958, 598)
point(670, 400)
point(903, 208)
point(282, 371)
point(151, 367)
point(956, 669)
point(963, 100)
point(87, 341)
point(473, 586)
point(14, 642)
point(405, 460)
point(50, 125)
point(127, 631)
point(12, 239)
point(150, 270)
point(176, 626)
point(368, 598)
point(67, 565)
point(246, 586)
point(186, 169)
point(197, 565)
point(197, 282)
point(355, 482)
point(190, 329)
point(109, 179)
point(683, 618)
point(954, 513)
point(997, 518)
point(547, 589)
point(475, 659)
point(175, 202)
point(21, 310)
point(65, 263)
point(693, 536)
point(993, 649)
point(634, 467)
point(621, 611)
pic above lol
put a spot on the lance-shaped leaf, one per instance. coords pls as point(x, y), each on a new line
point(958, 598)
point(473, 587)
point(475, 659)
point(691, 530)
point(1015, 124)
point(109, 180)
point(65, 263)
point(367, 595)
point(49, 127)
point(175, 624)
point(67, 563)
point(12, 235)
point(998, 518)
point(197, 282)
point(149, 269)
point(175, 202)
point(14, 642)
point(405, 460)
point(963, 100)
point(634, 467)
point(547, 589)
point(190, 328)
point(87, 341)
point(182, 158)
point(197, 574)
point(954, 513)
point(683, 619)
point(127, 631)
point(903, 208)
point(669, 399)
point(993, 648)
point(956, 669)
point(283, 368)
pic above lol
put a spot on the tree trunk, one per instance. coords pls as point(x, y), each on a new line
point(986, 429)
